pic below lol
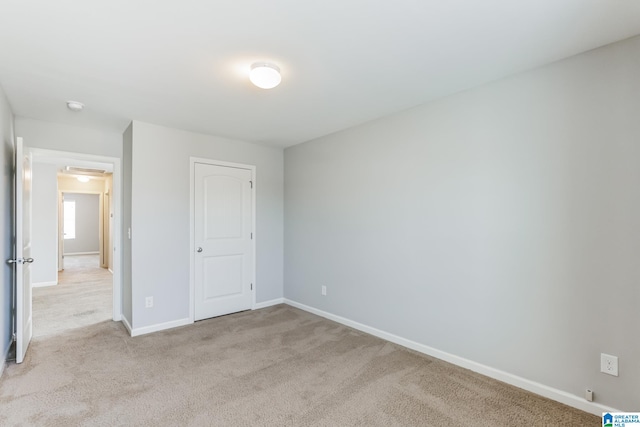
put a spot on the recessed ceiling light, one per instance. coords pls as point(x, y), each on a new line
point(265, 75)
point(75, 105)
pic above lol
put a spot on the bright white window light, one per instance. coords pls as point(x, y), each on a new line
point(265, 75)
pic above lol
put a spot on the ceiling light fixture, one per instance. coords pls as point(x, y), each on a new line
point(265, 75)
point(83, 178)
point(75, 105)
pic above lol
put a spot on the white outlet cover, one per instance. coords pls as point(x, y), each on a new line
point(609, 364)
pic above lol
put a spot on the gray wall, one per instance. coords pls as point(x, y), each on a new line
point(500, 225)
point(53, 136)
point(87, 224)
point(6, 229)
point(160, 217)
point(44, 236)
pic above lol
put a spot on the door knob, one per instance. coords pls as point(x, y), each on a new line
point(199, 250)
point(28, 260)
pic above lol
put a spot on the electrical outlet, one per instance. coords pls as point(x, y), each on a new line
point(609, 364)
point(324, 290)
point(148, 302)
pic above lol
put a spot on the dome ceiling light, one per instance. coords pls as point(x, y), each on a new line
point(265, 75)
point(75, 105)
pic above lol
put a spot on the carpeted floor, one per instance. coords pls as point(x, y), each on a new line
point(82, 297)
point(278, 366)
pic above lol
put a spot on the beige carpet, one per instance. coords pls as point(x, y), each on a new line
point(82, 297)
point(279, 366)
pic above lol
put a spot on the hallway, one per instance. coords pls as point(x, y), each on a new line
point(82, 297)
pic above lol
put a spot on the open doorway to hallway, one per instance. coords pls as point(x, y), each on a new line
point(81, 294)
point(77, 281)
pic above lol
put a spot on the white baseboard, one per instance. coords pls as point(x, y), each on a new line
point(43, 284)
point(159, 327)
point(126, 324)
point(81, 253)
point(523, 383)
point(265, 304)
point(181, 322)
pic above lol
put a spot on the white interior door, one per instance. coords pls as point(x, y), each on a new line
point(23, 258)
point(223, 237)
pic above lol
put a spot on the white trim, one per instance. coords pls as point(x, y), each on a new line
point(523, 383)
point(182, 322)
point(192, 284)
point(192, 232)
point(126, 324)
point(252, 168)
point(116, 245)
point(44, 284)
point(101, 237)
point(265, 304)
point(254, 191)
point(60, 230)
point(159, 327)
point(80, 253)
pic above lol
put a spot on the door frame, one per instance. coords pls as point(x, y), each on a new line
point(52, 155)
point(192, 201)
point(101, 210)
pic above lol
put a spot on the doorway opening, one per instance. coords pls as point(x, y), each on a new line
point(77, 281)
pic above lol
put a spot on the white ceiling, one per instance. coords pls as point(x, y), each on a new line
point(184, 64)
